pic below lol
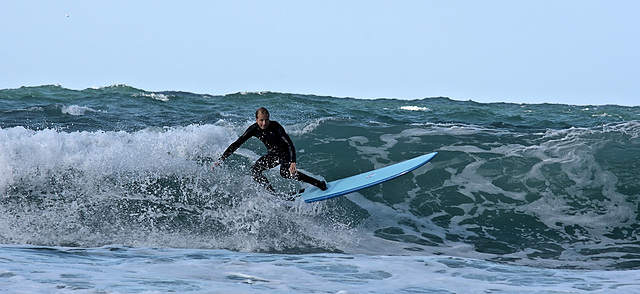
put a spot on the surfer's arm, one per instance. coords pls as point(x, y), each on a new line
point(235, 145)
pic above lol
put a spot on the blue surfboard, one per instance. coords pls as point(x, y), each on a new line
point(365, 180)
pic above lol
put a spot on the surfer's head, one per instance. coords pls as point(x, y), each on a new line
point(262, 117)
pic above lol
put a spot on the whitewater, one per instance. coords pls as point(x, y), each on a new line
point(110, 190)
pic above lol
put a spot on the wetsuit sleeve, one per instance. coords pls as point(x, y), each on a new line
point(291, 150)
point(235, 145)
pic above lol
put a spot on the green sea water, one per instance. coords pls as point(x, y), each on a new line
point(548, 185)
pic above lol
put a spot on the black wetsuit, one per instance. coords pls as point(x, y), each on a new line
point(280, 150)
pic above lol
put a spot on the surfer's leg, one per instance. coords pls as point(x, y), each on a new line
point(300, 176)
point(313, 181)
point(264, 163)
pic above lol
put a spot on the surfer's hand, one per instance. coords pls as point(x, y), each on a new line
point(213, 166)
point(293, 170)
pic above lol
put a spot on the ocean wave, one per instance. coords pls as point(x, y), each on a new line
point(28, 109)
point(537, 184)
point(149, 187)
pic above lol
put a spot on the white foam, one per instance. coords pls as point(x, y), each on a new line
point(414, 108)
point(25, 151)
point(574, 152)
point(110, 86)
point(98, 170)
point(115, 269)
point(154, 96)
point(76, 110)
point(307, 127)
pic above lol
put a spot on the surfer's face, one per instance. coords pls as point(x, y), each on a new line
point(263, 120)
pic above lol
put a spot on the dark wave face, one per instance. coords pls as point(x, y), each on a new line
point(548, 185)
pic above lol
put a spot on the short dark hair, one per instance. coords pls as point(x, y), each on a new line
point(263, 111)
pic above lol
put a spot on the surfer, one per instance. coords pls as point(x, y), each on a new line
point(280, 150)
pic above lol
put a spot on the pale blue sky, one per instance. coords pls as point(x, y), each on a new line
point(576, 52)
